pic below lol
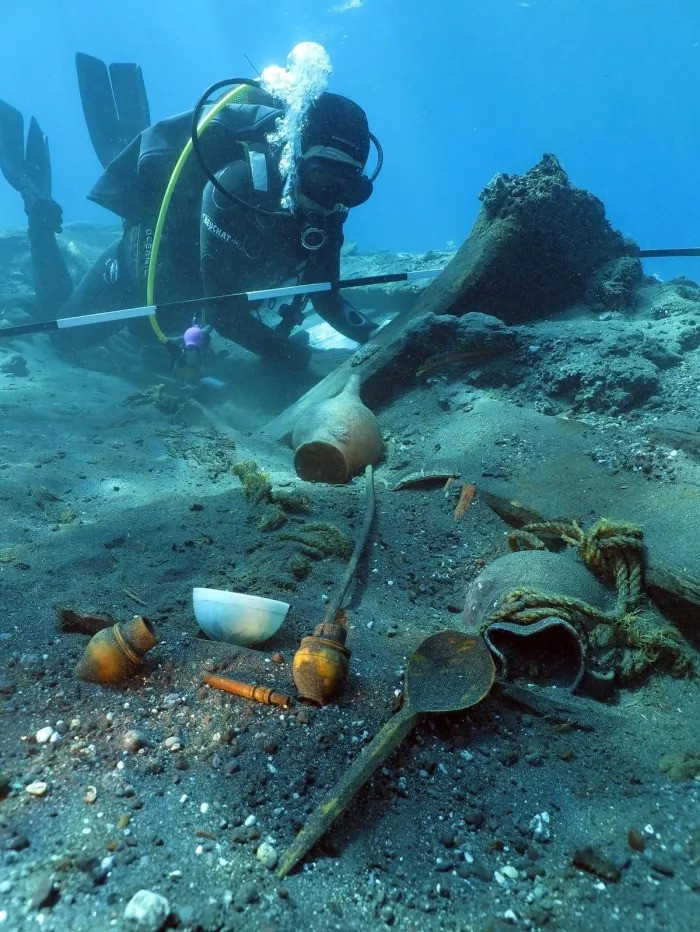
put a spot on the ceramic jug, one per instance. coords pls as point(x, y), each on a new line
point(337, 438)
point(114, 654)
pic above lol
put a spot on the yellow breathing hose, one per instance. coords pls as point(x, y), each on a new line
point(165, 204)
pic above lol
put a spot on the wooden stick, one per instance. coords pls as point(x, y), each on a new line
point(333, 608)
point(132, 595)
point(247, 690)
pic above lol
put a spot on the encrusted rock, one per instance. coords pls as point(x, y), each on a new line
point(14, 364)
point(536, 244)
point(434, 340)
point(613, 285)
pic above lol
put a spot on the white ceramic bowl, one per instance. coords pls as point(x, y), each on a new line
point(236, 617)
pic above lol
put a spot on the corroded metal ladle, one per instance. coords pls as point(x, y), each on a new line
point(447, 672)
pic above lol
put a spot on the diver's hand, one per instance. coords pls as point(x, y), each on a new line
point(299, 351)
point(364, 331)
point(119, 353)
point(126, 348)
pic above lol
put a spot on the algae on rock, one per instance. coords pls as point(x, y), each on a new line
point(257, 487)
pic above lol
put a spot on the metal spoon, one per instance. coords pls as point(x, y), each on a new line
point(447, 672)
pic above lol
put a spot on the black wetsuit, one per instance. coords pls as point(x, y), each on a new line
point(211, 245)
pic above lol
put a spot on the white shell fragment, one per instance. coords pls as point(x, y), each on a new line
point(37, 788)
point(539, 826)
point(147, 910)
point(267, 855)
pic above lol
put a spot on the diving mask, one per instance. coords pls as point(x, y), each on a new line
point(330, 182)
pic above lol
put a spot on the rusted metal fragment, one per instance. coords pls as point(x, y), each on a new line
point(424, 480)
point(589, 860)
point(69, 621)
point(559, 708)
point(512, 512)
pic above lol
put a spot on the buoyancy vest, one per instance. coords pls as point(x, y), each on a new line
point(133, 183)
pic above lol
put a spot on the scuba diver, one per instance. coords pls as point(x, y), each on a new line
point(207, 224)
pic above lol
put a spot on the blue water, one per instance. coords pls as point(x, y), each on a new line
point(456, 90)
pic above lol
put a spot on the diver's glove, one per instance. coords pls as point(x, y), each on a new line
point(364, 331)
point(174, 348)
point(347, 320)
point(299, 351)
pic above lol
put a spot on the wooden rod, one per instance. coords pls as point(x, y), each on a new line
point(247, 690)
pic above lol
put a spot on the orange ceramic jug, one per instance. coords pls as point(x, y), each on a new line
point(114, 654)
point(337, 438)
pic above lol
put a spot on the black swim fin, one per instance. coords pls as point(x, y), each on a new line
point(115, 104)
point(29, 171)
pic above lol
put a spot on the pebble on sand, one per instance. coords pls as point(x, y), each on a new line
point(44, 734)
point(147, 910)
point(267, 855)
point(134, 740)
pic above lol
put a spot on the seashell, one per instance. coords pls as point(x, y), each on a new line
point(37, 788)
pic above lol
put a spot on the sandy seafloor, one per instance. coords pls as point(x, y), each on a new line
point(118, 499)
